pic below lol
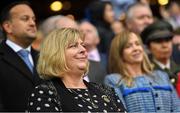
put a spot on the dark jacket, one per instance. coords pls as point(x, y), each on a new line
point(97, 71)
point(176, 54)
point(16, 80)
point(174, 69)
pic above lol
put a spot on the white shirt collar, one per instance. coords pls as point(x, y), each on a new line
point(16, 47)
point(94, 55)
point(162, 65)
point(86, 78)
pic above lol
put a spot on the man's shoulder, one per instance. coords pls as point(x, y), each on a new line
point(3, 49)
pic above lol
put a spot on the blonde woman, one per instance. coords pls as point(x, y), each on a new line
point(141, 88)
point(63, 63)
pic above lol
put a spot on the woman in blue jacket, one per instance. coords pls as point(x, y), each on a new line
point(141, 88)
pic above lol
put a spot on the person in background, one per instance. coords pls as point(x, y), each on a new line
point(158, 38)
point(176, 46)
point(56, 22)
point(63, 63)
point(138, 85)
point(120, 6)
point(18, 75)
point(117, 26)
point(176, 37)
point(138, 16)
point(101, 15)
point(173, 10)
point(51, 23)
point(97, 62)
point(146, 2)
point(39, 38)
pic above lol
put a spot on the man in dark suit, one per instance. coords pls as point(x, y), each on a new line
point(17, 77)
point(97, 61)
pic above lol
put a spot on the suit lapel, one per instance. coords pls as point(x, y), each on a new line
point(14, 60)
point(34, 54)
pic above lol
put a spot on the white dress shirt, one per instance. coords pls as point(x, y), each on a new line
point(94, 55)
point(162, 66)
point(17, 48)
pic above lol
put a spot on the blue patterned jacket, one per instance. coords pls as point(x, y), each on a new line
point(148, 94)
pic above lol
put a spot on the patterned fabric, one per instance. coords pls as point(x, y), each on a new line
point(148, 94)
point(48, 98)
point(51, 102)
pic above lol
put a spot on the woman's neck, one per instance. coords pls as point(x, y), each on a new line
point(73, 81)
point(134, 70)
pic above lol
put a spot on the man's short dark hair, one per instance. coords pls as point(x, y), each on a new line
point(5, 13)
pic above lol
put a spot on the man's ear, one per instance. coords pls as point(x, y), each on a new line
point(7, 26)
point(97, 40)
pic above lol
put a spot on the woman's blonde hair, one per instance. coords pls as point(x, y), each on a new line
point(116, 64)
point(52, 61)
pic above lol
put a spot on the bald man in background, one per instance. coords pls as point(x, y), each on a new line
point(97, 67)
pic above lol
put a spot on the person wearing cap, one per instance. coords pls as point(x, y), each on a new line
point(158, 39)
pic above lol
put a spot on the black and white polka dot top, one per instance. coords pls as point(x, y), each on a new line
point(92, 99)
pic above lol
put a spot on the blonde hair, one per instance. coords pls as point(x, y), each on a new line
point(116, 64)
point(52, 61)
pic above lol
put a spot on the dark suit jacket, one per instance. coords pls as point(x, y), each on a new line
point(16, 80)
point(97, 71)
point(176, 54)
point(174, 69)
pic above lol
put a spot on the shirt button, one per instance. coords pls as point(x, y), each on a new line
point(158, 108)
point(150, 83)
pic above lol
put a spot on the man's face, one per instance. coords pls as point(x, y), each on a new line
point(141, 17)
point(21, 28)
point(91, 38)
point(161, 50)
